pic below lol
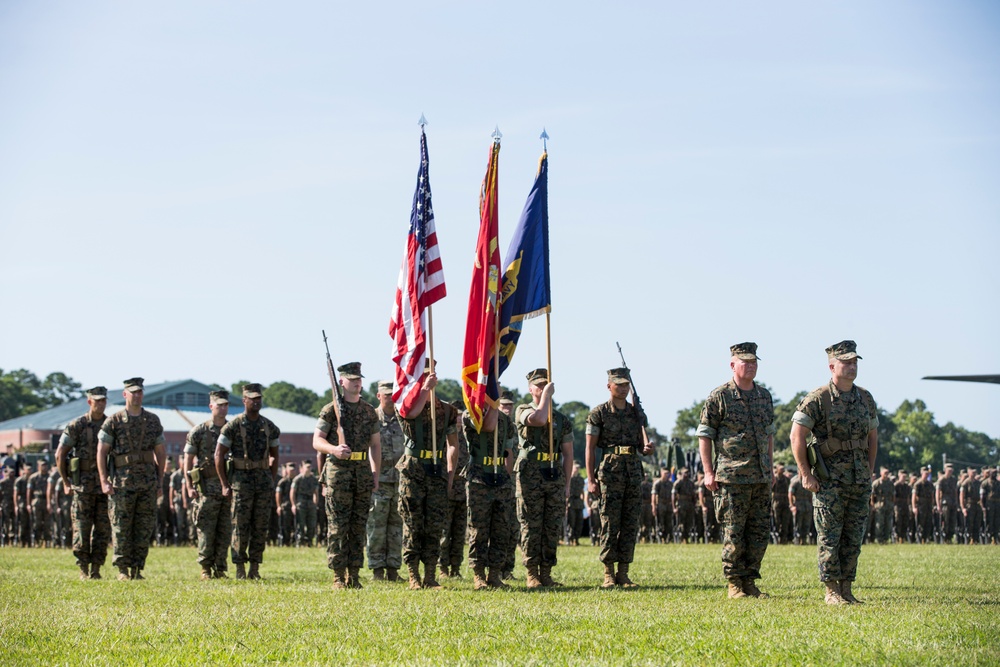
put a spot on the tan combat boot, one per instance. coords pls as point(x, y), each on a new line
point(354, 578)
point(206, 573)
point(456, 572)
point(339, 579)
point(545, 574)
point(414, 569)
point(609, 576)
point(137, 574)
point(95, 571)
point(84, 571)
point(622, 577)
point(845, 592)
point(750, 588)
point(736, 589)
point(392, 574)
point(833, 593)
point(532, 580)
point(495, 580)
point(444, 571)
point(241, 571)
point(479, 578)
point(378, 574)
point(254, 572)
point(429, 580)
point(123, 574)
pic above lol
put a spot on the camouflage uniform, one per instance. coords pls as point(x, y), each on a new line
point(7, 507)
point(541, 502)
point(619, 477)
point(923, 492)
point(164, 517)
point(62, 527)
point(283, 499)
point(840, 507)
point(23, 527)
point(707, 502)
point(305, 486)
point(385, 526)
point(178, 509)
point(989, 491)
point(661, 492)
point(213, 511)
point(132, 507)
point(41, 529)
point(684, 495)
point(739, 424)
point(646, 518)
point(349, 483)
point(973, 511)
point(456, 519)
point(948, 486)
point(780, 509)
point(490, 493)
point(574, 515)
point(423, 497)
point(803, 499)
point(252, 482)
point(901, 510)
point(883, 495)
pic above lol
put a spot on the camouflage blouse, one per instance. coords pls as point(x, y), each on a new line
point(305, 487)
point(481, 445)
point(261, 436)
point(853, 415)
point(130, 435)
point(391, 436)
point(615, 428)
point(739, 424)
point(80, 437)
point(201, 442)
point(360, 424)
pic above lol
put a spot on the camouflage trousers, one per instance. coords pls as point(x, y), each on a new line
point(286, 524)
point(882, 514)
point(181, 523)
point(348, 498)
point(513, 538)
point(574, 522)
point(213, 521)
point(803, 523)
point(685, 521)
point(132, 511)
point(164, 521)
point(620, 479)
point(782, 514)
point(91, 528)
point(841, 512)
point(901, 521)
point(744, 510)
point(710, 522)
point(646, 523)
point(992, 521)
point(974, 522)
point(541, 505)
point(455, 522)
point(489, 524)
point(23, 526)
point(924, 524)
point(595, 524)
point(305, 523)
point(422, 501)
point(253, 495)
point(949, 521)
point(7, 524)
point(665, 522)
point(385, 528)
point(41, 528)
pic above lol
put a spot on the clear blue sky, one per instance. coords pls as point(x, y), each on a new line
point(193, 189)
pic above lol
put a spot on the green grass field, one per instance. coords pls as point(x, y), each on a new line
point(932, 605)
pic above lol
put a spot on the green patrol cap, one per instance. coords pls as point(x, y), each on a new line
point(843, 351)
point(133, 384)
point(218, 397)
point(538, 376)
point(744, 351)
point(506, 397)
point(619, 376)
point(351, 371)
point(385, 386)
point(97, 393)
point(252, 390)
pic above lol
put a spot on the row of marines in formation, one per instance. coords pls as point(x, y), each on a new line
point(231, 467)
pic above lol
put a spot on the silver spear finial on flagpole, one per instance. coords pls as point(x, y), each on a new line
point(544, 136)
point(497, 136)
point(422, 121)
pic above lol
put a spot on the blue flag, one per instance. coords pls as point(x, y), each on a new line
point(526, 292)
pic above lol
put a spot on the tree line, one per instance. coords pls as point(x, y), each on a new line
point(908, 437)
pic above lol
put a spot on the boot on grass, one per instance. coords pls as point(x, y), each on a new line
point(479, 578)
point(735, 589)
point(429, 580)
point(392, 574)
point(532, 580)
point(137, 574)
point(609, 576)
point(545, 574)
point(378, 574)
point(845, 592)
point(354, 578)
point(456, 571)
point(833, 596)
point(254, 572)
point(750, 588)
point(95, 571)
point(339, 579)
point(206, 573)
point(123, 574)
point(495, 580)
point(241, 571)
point(414, 569)
point(622, 577)
point(84, 572)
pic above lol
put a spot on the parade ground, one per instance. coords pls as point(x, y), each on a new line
point(925, 605)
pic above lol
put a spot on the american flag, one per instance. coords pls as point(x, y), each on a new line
point(420, 284)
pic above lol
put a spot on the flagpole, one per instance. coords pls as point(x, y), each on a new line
point(496, 370)
point(430, 353)
point(548, 364)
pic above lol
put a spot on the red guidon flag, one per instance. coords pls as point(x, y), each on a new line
point(479, 384)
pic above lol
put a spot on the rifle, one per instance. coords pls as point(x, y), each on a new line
point(338, 399)
point(636, 401)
